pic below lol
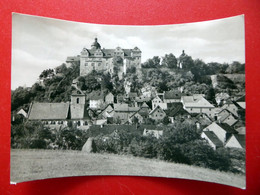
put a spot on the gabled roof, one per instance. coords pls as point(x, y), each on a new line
point(157, 107)
point(77, 93)
point(196, 101)
point(125, 108)
point(142, 99)
point(224, 114)
point(156, 97)
point(213, 138)
point(241, 139)
point(241, 99)
point(109, 94)
point(223, 126)
point(49, 111)
point(144, 105)
point(176, 109)
point(227, 128)
point(241, 130)
point(132, 115)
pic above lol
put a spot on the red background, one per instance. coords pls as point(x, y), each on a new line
point(134, 13)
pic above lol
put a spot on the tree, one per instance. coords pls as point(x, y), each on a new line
point(210, 96)
point(187, 62)
point(169, 60)
point(152, 63)
point(46, 73)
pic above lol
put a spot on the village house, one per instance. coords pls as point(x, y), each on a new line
point(236, 141)
point(136, 118)
point(225, 116)
point(202, 120)
point(158, 102)
point(140, 100)
point(96, 101)
point(53, 115)
point(175, 111)
point(221, 98)
point(212, 139)
point(222, 131)
point(122, 112)
point(242, 102)
point(157, 114)
point(109, 98)
point(107, 112)
point(23, 113)
point(241, 130)
point(232, 107)
point(197, 104)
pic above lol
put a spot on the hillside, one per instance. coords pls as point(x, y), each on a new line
point(27, 165)
point(228, 81)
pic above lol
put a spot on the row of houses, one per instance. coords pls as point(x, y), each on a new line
point(86, 110)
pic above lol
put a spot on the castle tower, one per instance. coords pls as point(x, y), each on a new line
point(95, 45)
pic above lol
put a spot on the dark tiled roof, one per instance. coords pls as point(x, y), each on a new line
point(241, 139)
point(241, 99)
point(212, 136)
point(142, 99)
point(227, 128)
point(172, 95)
point(144, 105)
point(49, 111)
point(176, 109)
point(125, 108)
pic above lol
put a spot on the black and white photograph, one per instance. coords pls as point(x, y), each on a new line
point(153, 100)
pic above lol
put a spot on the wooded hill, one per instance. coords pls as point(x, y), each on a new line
point(163, 74)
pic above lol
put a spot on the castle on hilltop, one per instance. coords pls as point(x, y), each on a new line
point(106, 60)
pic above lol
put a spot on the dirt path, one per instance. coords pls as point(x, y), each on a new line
point(29, 165)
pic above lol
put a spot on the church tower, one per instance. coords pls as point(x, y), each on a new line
point(77, 105)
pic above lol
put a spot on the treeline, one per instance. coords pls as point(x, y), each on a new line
point(197, 67)
point(179, 144)
point(52, 87)
point(32, 135)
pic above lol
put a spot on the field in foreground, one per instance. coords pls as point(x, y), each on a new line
point(27, 165)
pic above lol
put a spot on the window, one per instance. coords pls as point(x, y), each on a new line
point(210, 109)
point(77, 100)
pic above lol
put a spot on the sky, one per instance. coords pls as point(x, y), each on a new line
point(40, 43)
